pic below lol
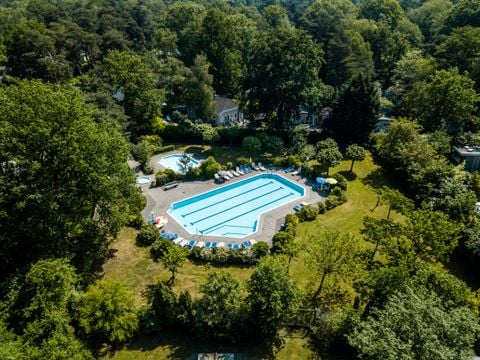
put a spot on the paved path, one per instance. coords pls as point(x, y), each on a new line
point(159, 200)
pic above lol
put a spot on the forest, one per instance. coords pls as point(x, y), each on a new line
point(86, 85)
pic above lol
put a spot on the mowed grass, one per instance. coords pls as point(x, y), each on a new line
point(132, 265)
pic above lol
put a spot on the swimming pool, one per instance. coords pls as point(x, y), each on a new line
point(234, 210)
point(173, 162)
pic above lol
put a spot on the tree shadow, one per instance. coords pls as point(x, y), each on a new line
point(195, 150)
point(350, 176)
point(376, 179)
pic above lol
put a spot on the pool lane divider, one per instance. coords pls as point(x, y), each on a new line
point(228, 199)
point(235, 206)
point(245, 213)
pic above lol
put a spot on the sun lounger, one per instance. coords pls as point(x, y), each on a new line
point(234, 173)
point(208, 244)
point(289, 169)
point(236, 246)
point(214, 244)
point(218, 178)
point(178, 240)
point(191, 244)
point(261, 167)
point(296, 172)
point(246, 244)
point(297, 207)
point(255, 167)
point(239, 171)
point(252, 241)
point(221, 244)
point(245, 169)
point(200, 244)
point(169, 236)
point(304, 203)
point(230, 245)
point(183, 243)
point(230, 174)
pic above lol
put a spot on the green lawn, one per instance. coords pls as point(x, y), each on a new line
point(132, 265)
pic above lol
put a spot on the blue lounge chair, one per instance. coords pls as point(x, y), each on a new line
point(236, 247)
point(297, 207)
point(248, 168)
point(246, 244)
point(168, 236)
point(230, 245)
point(208, 244)
point(191, 244)
point(289, 169)
point(214, 244)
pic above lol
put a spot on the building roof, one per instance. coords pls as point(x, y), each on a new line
point(222, 104)
point(467, 150)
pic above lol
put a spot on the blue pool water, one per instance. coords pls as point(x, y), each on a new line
point(173, 162)
point(234, 210)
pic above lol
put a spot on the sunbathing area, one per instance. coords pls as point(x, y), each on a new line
point(212, 213)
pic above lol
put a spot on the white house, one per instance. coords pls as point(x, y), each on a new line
point(227, 112)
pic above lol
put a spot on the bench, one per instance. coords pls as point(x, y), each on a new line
point(170, 185)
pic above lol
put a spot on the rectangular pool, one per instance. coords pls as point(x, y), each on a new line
point(234, 210)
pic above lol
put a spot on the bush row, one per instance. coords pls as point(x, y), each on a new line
point(229, 256)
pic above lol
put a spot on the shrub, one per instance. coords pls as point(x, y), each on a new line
point(209, 167)
point(280, 239)
point(291, 222)
point(164, 303)
point(193, 173)
point(161, 179)
point(242, 160)
point(162, 149)
point(322, 208)
point(172, 175)
point(293, 160)
point(336, 192)
point(273, 143)
point(251, 144)
point(260, 249)
point(342, 181)
point(309, 212)
point(159, 248)
point(278, 161)
point(331, 202)
point(229, 165)
point(147, 235)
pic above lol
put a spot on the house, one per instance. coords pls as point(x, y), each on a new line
point(227, 112)
point(383, 122)
point(304, 117)
point(470, 155)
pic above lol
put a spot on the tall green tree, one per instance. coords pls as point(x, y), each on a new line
point(414, 324)
point(448, 99)
point(330, 254)
point(199, 91)
point(283, 75)
point(272, 295)
point(355, 152)
point(328, 154)
point(173, 258)
point(219, 309)
point(356, 112)
point(106, 312)
point(67, 187)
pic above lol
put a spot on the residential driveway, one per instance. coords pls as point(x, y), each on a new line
point(159, 200)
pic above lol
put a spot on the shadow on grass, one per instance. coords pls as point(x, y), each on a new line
point(350, 176)
point(376, 179)
point(195, 149)
point(181, 345)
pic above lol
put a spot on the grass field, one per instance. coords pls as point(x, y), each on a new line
point(132, 265)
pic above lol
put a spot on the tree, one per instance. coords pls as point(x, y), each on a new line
point(199, 91)
point(283, 75)
point(219, 309)
point(135, 82)
point(251, 144)
point(387, 11)
point(164, 303)
point(454, 198)
point(463, 13)
point(433, 234)
point(355, 152)
point(395, 200)
point(147, 235)
point(328, 154)
point(173, 259)
point(210, 166)
point(330, 254)
point(207, 133)
point(414, 324)
point(260, 249)
point(272, 296)
point(67, 187)
point(276, 16)
point(446, 100)
point(356, 112)
point(379, 232)
point(106, 312)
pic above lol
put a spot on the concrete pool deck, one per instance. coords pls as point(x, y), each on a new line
point(159, 200)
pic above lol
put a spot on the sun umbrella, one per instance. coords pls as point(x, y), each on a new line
point(331, 181)
point(320, 180)
point(161, 220)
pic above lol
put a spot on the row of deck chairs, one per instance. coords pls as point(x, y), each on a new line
point(211, 244)
point(241, 170)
